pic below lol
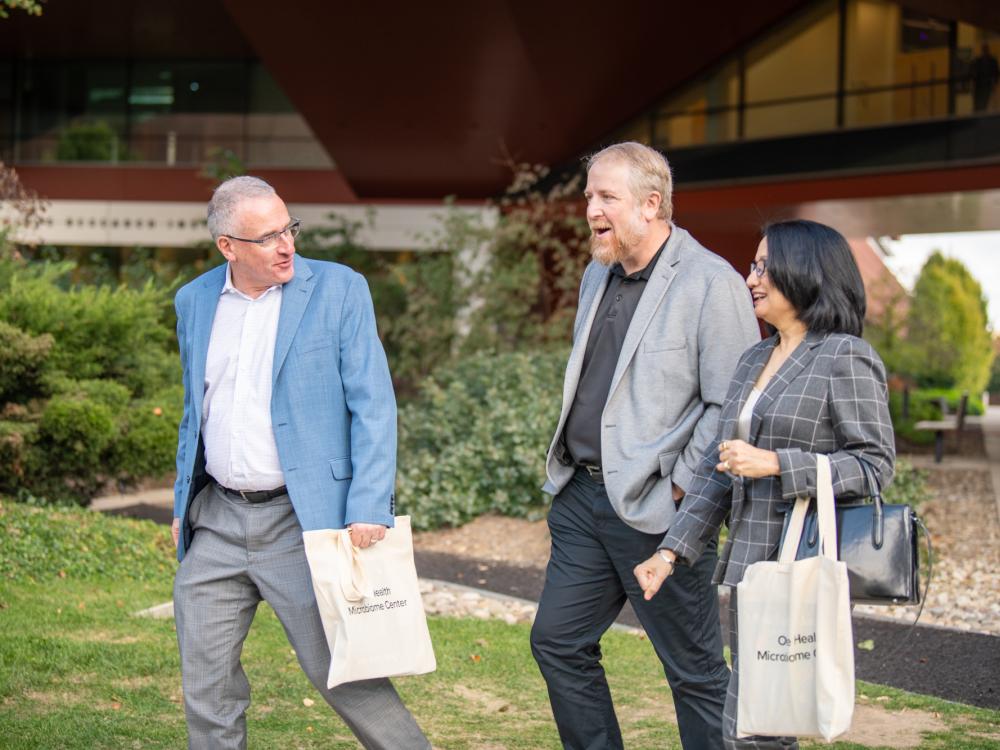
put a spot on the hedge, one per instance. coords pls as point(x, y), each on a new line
point(474, 439)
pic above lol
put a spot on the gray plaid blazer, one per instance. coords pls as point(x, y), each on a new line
point(830, 396)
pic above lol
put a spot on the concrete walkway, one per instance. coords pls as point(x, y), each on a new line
point(162, 497)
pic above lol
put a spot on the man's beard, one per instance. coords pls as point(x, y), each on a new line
point(618, 246)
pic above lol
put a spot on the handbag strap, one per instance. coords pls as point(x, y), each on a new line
point(875, 493)
point(923, 599)
point(355, 584)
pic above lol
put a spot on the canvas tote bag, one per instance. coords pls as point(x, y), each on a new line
point(796, 651)
point(370, 604)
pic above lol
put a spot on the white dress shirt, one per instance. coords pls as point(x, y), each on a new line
point(240, 452)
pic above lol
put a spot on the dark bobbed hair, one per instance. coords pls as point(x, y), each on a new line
point(813, 266)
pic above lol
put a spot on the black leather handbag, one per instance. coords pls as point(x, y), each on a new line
point(878, 541)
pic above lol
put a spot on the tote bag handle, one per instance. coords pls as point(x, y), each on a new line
point(825, 515)
point(355, 584)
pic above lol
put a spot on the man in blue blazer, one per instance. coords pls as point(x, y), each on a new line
point(289, 425)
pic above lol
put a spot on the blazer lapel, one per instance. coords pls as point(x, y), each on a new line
point(804, 353)
point(205, 304)
point(294, 298)
point(574, 366)
point(732, 419)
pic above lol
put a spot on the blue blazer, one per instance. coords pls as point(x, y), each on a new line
point(332, 405)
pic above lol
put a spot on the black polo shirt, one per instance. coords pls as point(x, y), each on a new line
point(582, 434)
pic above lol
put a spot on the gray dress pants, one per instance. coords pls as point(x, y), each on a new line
point(240, 554)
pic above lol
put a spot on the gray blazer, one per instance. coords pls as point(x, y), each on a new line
point(829, 396)
point(692, 322)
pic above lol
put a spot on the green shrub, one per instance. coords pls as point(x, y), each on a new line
point(16, 440)
point(87, 383)
point(148, 444)
point(23, 359)
point(474, 440)
point(46, 543)
point(68, 453)
point(925, 404)
point(94, 141)
point(909, 485)
point(99, 333)
point(951, 396)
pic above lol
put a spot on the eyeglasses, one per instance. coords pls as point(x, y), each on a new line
point(758, 268)
point(272, 240)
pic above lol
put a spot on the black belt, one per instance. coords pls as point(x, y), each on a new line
point(256, 496)
point(593, 471)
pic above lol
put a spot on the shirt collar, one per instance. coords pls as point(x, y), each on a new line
point(646, 272)
point(228, 287)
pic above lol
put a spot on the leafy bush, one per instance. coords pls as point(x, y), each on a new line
point(88, 142)
point(919, 410)
point(86, 376)
point(118, 334)
point(909, 485)
point(948, 333)
point(22, 362)
point(994, 384)
point(148, 443)
point(925, 404)
point(42, 544)
point(952, 397)
point(475, 438)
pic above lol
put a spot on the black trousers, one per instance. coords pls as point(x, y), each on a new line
point(587, 580)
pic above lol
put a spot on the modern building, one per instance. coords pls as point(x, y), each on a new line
point(877, 116)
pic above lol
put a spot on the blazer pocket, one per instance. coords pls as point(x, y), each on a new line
point(667, 462)
point(341, 468)
point(314, 344)
point(664, 346)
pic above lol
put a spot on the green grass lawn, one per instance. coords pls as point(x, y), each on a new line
point(79, 670)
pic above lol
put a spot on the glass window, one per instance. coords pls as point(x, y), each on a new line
point(72, 112)
point(159, 112)
point(976, 83)
point(181, 111)
point(791, 76)
point(896, 65)
point(706, 112)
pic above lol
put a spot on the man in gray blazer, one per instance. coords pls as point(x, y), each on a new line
point(660, 327)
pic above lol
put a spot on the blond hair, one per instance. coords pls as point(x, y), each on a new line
point(648, 172)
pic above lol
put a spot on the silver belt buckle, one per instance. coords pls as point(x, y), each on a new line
point(593, 470)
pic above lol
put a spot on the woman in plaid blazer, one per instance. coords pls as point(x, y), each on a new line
point(812, 387)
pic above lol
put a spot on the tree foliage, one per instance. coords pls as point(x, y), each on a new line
point(31, 7)
point(948, 333)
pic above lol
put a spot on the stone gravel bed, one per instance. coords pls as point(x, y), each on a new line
point(965, 533)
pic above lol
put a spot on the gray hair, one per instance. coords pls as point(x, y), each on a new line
point(649, 172)
point(225, 199)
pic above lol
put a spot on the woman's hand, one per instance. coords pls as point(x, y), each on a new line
point(741, 459)
point(653, 572)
